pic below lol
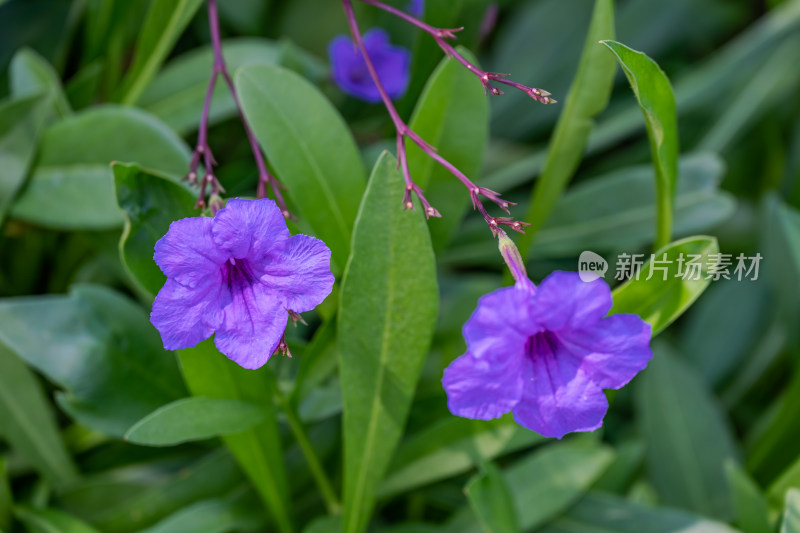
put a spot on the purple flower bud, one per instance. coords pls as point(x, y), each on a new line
point(238, 276)
point(546, 353)
point(350, 72)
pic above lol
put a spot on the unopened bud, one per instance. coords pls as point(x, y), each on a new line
point(514, 261)
point(215, 203)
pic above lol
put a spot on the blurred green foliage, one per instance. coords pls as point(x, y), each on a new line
point(706, 439)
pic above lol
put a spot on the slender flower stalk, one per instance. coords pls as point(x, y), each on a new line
point(324, 484)
point(441, 34)
point(203, 153)
point(404, 132)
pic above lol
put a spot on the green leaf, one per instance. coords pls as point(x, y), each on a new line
point(311, 149)
point(165, 22)
point(771, 446)
point(28, 424)
point(491, 501)
point(779, 489)
point(624, 471)
point(535, 27)
point(554, 477)
point(687, 435)
point(616, 211)
point(654, 93)
point(50, 521)
point(791, 517)
point(192, 419)
point(587, 97)
point(768, 86)
point(6, 498)
point(324, 524)
point(666, 295)
point(150, 203)
point(782, 239)
point(318, 362)
point(129, 498)
point(601, 513)
point(72, 185)
point(751, 513)
point(450, 447)
point(100, 348)
point(210, 374)
point(387, 315)
point(210, 516)
point(723, 327)
point(21, 124)
point(453, 115)
point(177, 94)
point(703, 88)
point(31, 74)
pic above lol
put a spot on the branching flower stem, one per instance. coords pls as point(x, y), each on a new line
point(202, 151)
point(441, 34)
point(404, 132)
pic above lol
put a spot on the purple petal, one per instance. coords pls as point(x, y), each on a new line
point(562, 300)
point(249, 228)
point(500, 323)
point(375, 40)
point(483, 388)
point(253, 323)
point(187, 253)
point(186, 316)
point(300, 273)
point(393, 70)
point(558, 396)
point(416, 7)
point(392, 63)
point(614, 350)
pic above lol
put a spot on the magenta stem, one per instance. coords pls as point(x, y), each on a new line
point(203, 150)
point(440, 34)
point(403, 132)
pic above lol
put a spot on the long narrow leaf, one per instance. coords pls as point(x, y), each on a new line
point(165, 22)
point(28, 424)
point(389, 300)
point(587, 97)
point(210, 374)
point(654, 93)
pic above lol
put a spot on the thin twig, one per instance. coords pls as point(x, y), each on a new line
point(203, 151)
point(404, 132)
point(441, 34)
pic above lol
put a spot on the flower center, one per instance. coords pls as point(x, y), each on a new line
point(359, 75)
point(542, 344)
point(237, 273)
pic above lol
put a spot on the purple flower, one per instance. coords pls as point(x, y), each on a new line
point(237, 276)
point(546, 354)
point(416, 7)
point(350, 70)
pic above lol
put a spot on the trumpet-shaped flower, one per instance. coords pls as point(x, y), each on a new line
point(546, 353)
point(237, 276)
point(392, 63)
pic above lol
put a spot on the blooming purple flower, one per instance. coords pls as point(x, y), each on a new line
point(416, 7)
point(237, 276)
point(546, 353)
point(350, 70)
